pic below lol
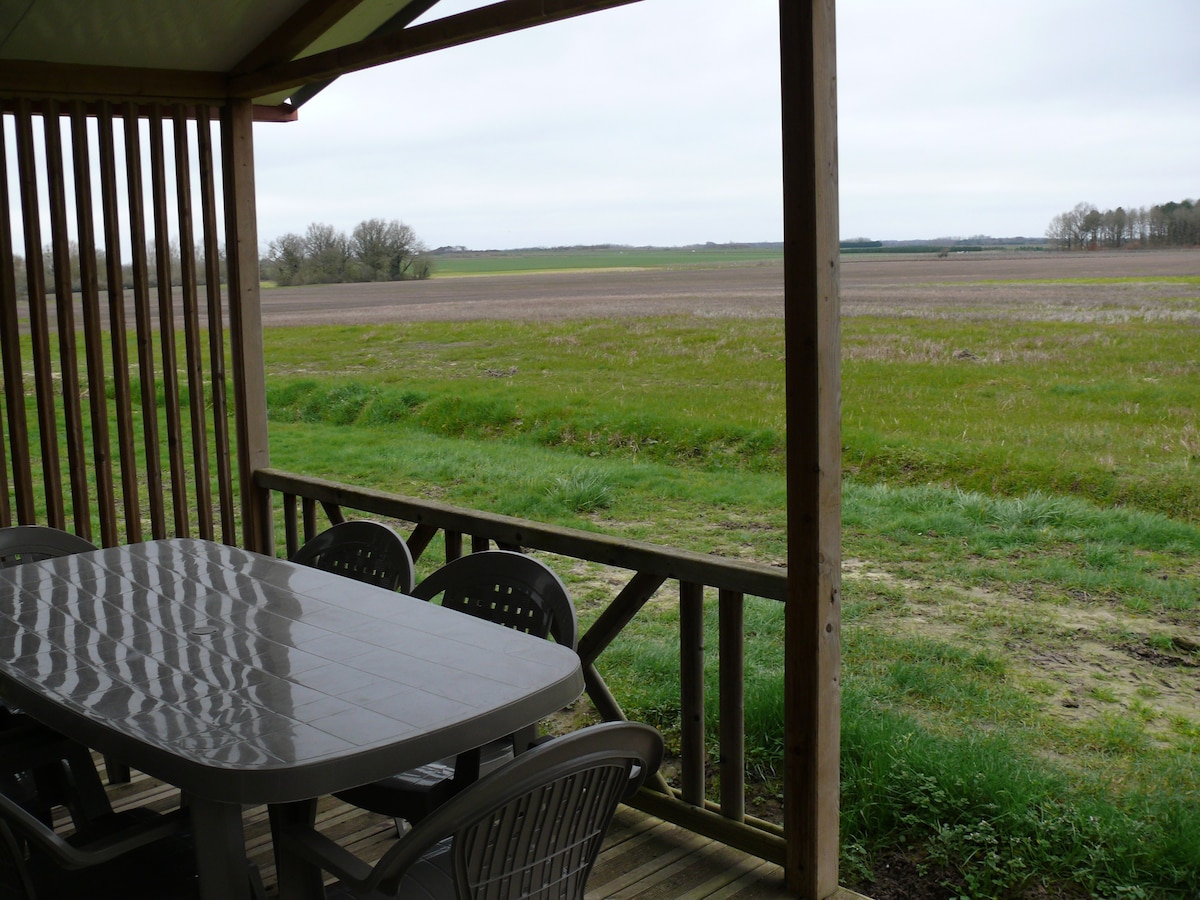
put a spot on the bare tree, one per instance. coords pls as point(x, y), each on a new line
point(326, 251)
point(285, 259)
point(384, 250)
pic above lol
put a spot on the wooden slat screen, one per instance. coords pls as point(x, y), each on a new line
point(116, 426)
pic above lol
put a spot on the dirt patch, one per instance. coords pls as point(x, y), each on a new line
point(1089, 660)
point(917, 285)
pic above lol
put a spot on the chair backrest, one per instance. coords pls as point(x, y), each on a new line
point(363, 550)
point(15, 883)
point(33, 543)
point(508, 588)
point(539, 820)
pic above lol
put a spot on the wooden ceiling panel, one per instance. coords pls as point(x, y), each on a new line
point(193, 35)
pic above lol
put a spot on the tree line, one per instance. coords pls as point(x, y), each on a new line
point(374, 250)
point(172, 268)
point(1174, 224)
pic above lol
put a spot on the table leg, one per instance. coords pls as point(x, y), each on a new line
point(298, 878)
point(220, 849)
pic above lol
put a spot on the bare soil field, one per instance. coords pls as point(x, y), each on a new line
point(981, 284)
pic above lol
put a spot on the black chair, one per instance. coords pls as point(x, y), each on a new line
point(508, 588)
point(117, 855)
point(41, 769)
point(33, 543)
point(366, 551)
point(533, 828)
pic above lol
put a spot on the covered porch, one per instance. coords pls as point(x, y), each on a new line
point(137, 410)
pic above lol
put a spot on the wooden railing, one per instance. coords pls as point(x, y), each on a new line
point(85, 444)
point(651, 566)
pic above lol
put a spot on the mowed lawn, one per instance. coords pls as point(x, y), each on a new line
point(1021, 634)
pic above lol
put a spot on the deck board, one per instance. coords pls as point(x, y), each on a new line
point(643, 857)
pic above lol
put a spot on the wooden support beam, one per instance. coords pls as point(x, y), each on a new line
point(27, 78)
point(812, 690)
point(452, 31)
point(303, 27)
point(245, 322)
point(401, 20)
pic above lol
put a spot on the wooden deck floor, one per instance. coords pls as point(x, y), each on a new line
point(643, 857)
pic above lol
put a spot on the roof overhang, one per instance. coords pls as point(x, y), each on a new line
point(276, 53)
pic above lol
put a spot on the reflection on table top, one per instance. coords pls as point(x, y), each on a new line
point(250, 679)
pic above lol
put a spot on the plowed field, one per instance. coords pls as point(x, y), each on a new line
point(998, 284)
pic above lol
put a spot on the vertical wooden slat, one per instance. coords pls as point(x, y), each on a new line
point(166, 324)
point(454, 545)
point(216, 329)
point(143, 323)
point(43, 376)
point(118, 331)
point(193, 358)
point(245, 320)
point(21, 488)
point(291, 529)
point(93, 330)
point(732, 675)
point(309, 508)
point(60, 243)
point(691, 692)
point(6, 518)
point(480, 543)
point(812, 692)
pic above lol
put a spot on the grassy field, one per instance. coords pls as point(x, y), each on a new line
point(505, 262)
point(1021, 636)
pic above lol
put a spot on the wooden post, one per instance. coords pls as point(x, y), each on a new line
point(691, 692)
point(811, 326)
point(245, 320)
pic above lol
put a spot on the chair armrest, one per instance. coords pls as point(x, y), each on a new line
point(306, 842)
point(98, 850)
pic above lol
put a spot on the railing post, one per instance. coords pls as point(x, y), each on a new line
point(310, 518)
point(291, 527)
point(732, 675)
point(691, 692)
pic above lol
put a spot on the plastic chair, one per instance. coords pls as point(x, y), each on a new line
point(363, 550)
point(133, 853)
point(33, 543)
point(532, 828)
point(508, 588)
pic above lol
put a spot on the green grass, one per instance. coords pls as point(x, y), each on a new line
point(1105, 413)
point(1006, 507)
point(508, 262)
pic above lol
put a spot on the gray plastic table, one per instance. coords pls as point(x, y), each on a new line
point(245, 679)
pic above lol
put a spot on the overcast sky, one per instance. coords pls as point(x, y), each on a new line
point(658, 123)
